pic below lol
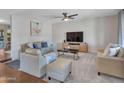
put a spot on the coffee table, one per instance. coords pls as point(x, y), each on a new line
point(73, 51)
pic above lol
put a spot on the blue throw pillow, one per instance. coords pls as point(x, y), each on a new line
point(34, 45)
point(44, 44)
point(37, 45)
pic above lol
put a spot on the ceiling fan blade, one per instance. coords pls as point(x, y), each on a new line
point(73, 15)
point(71, 18)
point(65, 14)
point(58, 17)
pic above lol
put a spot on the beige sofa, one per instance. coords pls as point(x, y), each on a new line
point(110, 65)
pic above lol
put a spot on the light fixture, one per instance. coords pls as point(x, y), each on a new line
point(66, 19)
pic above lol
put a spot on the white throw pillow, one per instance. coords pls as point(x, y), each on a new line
point(114, 51)
point(30, 45)
point(106, 51)
point(111, 45)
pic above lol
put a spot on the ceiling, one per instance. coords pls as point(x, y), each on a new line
point(50, 14)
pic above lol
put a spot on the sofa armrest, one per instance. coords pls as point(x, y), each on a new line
point(101, 50)
point(101, 57)
point(32, 51)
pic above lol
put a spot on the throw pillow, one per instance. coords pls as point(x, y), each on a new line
point(121, 53)
point(44, 44)
point(35, 45)
point(114, 51)
point(106, 51)
point(30, 45)
point(50, 57)
point(38, 45)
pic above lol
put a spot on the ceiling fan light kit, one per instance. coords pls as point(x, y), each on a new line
point(67, 17)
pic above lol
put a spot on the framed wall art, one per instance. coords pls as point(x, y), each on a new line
point(35, 28)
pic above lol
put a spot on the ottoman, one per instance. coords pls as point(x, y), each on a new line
point(59, 69)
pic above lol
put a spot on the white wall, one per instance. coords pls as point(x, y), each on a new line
point(98, 32)
point(21, 32)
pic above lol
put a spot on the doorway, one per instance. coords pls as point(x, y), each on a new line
point(5, 39)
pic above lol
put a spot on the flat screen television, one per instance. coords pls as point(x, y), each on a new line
point(74, 36)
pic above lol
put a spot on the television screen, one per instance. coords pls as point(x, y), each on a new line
point(74, 36)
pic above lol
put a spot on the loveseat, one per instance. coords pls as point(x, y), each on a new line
point(111, 65)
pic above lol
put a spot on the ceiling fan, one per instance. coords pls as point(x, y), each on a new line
point(67, 17)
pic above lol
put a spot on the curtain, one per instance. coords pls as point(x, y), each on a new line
point(121, 28)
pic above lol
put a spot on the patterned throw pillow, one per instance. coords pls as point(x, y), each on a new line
point(50, 57)
point(114, 51)
point(107, 49)
point(37, 45)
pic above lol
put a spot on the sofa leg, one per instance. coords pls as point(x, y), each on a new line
point(61, 82)
point(49, 78)
point(98, 73)
point(70, 72)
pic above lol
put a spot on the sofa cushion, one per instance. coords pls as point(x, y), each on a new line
point(32, 51)
point(50, 57)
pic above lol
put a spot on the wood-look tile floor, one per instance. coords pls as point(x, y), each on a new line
point(9, 75)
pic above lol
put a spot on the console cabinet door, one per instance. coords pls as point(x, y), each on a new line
point(83, 48)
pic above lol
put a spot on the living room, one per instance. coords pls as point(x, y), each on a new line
point(96, 28)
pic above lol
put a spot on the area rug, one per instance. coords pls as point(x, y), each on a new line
point(14, 64)
point(83, 70)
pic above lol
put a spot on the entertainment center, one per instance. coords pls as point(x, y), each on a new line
point(83, 47)
point(74, 40)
